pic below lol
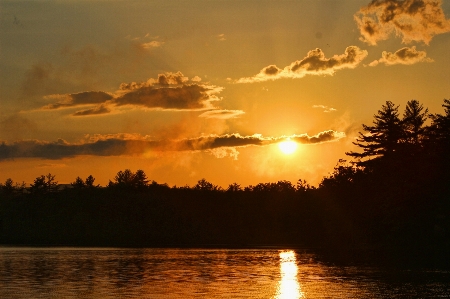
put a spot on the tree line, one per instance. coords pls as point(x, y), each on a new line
point(394, 191)
point(391, 140)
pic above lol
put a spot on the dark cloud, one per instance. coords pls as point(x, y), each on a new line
point(413, 20)
point(118, 145)
point(271, 70)
point(315, 63)
point(61, 149)
point(405, 56)
point(222, 114)
point(79, 99)
point(169, 91)
point(94, 111)
point(325, 136)
point(189, 97)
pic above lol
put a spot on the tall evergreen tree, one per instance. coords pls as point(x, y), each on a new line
point(440, 127)
point(384, 137)
point(414, 119)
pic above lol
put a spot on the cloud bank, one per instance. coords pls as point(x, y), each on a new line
point(315, 63)
point(406, 56)
point(128, 144)
point(169, 91)
point(412, 20)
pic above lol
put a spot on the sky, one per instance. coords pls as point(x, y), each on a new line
point(186, 90)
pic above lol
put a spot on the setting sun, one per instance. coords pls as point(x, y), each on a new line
point(287, 147)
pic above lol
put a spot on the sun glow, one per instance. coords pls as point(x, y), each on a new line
point(288, 146)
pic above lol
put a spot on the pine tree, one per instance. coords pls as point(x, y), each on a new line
point(414, 119)
point(384, 137)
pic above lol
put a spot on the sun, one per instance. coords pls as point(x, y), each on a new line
point(288, 146)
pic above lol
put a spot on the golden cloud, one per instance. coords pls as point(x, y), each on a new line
point(412, 20)
point(134, 144)
point(315, 63)
point(406, 56)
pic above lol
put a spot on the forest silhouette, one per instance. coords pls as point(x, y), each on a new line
point(394, 193)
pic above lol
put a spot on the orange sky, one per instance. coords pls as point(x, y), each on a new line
point(207, 89)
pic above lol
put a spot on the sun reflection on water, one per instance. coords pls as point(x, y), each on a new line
point(288, 286)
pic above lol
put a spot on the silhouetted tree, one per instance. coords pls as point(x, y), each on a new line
point(439, 141)
point(383, 138)
point(283, 186)
point(89, 182)
point(44, 184)
point(52, 185)
point(78, 183)
point(440, 127)
point(140, 179)
point(9, 185)
point(124, 177)
point(234, 187)
point(414, 119)
point(129, 179)
point(303, 186)
point(343, 175)
point(206, 186)
point(38, 185)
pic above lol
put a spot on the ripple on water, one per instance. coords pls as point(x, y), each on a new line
point(198, 273)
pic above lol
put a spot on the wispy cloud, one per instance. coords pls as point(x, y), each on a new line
point(151, 45)
point(404, 55)
point(78, 99)
point(51, 165)
point(132, 144)
point(412, 20)
point(102, 109)
point(222, 114)
point(325, 108)
point(315, 63)
point(221, 37)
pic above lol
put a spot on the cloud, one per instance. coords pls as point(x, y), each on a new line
point(325, 108)
point(412, 20)
point(405, 56)
point(133, 144)
point(222, 114)
point(169, 91)
point(185, 97)
point(152, 45)
point(51, 165)
point(223, 152)
point(315, 63)
point(101, 109)
point(221, 37)
point(78, 99)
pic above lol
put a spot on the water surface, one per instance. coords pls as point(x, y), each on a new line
point(204, 273)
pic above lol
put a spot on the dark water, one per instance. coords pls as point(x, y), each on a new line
point(199, 273)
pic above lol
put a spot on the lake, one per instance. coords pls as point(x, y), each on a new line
point(205, 273)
